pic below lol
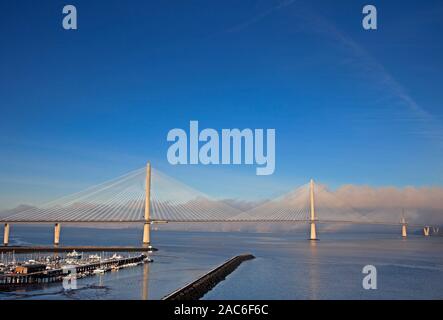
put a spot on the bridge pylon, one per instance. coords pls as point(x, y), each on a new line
point(147, 224)
point(404, 232)
point(313, 234)
point(426, 231)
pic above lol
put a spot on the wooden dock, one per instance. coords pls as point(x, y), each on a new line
point(31, 249)
point(198, 288)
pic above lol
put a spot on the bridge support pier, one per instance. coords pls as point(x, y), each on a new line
point(147, 225)
point(404, 232)
point(6, 235)
point(57, 228)
point(147, 233)
point(313, 234)
point(426, 231)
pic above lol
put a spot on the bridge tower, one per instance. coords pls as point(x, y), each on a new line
point(147, 225)
point(312, 219)
point(426, 231)
point(404, 232)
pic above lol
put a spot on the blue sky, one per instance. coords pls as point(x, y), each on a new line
point(348, 105)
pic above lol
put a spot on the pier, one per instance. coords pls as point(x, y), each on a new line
point(32, 249)
point(198, 288)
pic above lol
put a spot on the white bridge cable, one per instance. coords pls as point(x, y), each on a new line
point(112, 211)
point(130, 206)
point(121, 208)
point(332, 208)
point(174, 201)
point(178, 211)
point(72, 204)
point(108, 200)
point(197, 209)
point(291, 206)
point(124, 204)
point(138, 207)
point(98, 209)
point(123, 199)
point(137, 212)
point(184, 210)
point(36, 213)
point(90, 211)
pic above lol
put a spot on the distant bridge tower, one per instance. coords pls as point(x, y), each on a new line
point(147, 225)
point(404, 232)
point(426, 231)
point(313, 219)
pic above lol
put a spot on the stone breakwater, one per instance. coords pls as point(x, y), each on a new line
point(198, 288)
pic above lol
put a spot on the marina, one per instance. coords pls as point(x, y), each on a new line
point(51, 269)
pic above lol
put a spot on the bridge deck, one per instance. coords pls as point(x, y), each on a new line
point(251, 220)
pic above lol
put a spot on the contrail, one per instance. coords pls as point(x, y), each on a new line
point(434, 128)
point(319, 24)
point(260, 16)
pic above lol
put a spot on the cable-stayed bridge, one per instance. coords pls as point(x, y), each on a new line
point(147, 196)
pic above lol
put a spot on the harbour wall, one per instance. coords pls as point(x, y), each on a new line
point(198, 288)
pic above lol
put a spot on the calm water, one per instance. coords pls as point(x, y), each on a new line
point(287, 266)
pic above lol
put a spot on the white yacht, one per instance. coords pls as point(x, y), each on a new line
point(94, 257)
point(74, 255)
point(99, 271)
point(116, 257)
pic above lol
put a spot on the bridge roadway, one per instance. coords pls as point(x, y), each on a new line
point(160, 221)
point(145, 248)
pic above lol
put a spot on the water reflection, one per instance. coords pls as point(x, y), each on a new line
point(314, 280)
point(100, 280)
point(145, 285)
